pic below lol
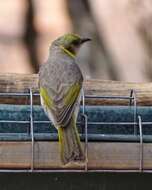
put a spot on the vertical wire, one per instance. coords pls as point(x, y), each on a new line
point(135, 112)
point(86, 130)
point(31, 129)
point(141, 144)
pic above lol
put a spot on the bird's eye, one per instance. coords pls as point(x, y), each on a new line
point(76, 42)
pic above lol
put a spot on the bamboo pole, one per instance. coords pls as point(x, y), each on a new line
point(23, 82)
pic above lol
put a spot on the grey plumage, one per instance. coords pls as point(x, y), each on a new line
point(60, 77)
point(57, 75)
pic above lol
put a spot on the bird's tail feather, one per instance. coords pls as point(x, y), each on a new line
point(70, 146)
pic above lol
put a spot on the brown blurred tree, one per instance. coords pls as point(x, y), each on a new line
point(27, 28)
point(121, 31)
point(125, 28)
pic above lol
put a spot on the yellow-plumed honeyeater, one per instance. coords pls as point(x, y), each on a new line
point(60, 82)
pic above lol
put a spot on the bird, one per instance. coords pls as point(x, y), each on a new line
point(61, 82)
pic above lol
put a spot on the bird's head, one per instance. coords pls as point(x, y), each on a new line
point(70, 43)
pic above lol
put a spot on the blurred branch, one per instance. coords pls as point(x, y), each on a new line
point(31, 36)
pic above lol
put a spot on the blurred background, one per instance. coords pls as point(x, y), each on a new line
point(121, 30)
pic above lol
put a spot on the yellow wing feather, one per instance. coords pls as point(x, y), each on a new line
point(63, 111)
point(47, 99)
point(72, 94)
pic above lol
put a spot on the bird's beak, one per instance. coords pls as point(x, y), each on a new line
point(85, 40)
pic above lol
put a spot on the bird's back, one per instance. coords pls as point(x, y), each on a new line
point(60, 69)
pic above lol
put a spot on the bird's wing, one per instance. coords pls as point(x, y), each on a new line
point(62, 108)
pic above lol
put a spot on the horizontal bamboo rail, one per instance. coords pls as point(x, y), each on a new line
point(23, 82)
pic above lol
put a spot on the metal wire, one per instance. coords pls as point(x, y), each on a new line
point(31, 130)
point(17, 94)
point(141, 144)
point(132, 102)
point(70, 171)
point(108, 97)
point(89, 122)
point(135, 111)
point(86, 130)
point(86, 96)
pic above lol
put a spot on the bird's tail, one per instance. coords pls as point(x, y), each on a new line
point(70, 146)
